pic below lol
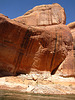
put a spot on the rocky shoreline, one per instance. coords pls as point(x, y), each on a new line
point(28, 84)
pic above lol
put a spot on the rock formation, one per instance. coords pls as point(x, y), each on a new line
point(43, 15)
point(38, 41)
point(67, 68)
point(72, 28)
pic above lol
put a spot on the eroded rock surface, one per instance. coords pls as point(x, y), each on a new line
point(67, 68)
point(72, 28)
point(43, 15)
point(27, 47)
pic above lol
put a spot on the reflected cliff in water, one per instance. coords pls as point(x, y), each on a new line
point(11, 95)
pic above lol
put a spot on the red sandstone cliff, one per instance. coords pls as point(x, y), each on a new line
point(35, 42)
point(39, 45)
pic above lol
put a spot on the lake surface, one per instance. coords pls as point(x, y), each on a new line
point(11, 95)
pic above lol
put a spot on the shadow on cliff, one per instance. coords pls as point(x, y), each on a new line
point(5, 73)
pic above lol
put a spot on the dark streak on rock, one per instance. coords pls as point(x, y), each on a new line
point(8, 41)
point(18, 61)
point(25, 39)
point(53, 53)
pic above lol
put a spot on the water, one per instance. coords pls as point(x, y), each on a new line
point(11, 95)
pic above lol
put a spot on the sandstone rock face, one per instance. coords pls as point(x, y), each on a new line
point(10, 38)
point(67, 68)
point(54, 46)
point(72, 27)
point(25, 49)
point(43, 15)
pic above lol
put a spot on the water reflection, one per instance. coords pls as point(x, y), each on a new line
point(11, 95)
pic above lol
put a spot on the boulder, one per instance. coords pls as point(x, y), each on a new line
point(43, 15)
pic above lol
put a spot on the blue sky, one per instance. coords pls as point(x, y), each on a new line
point(15, 8)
